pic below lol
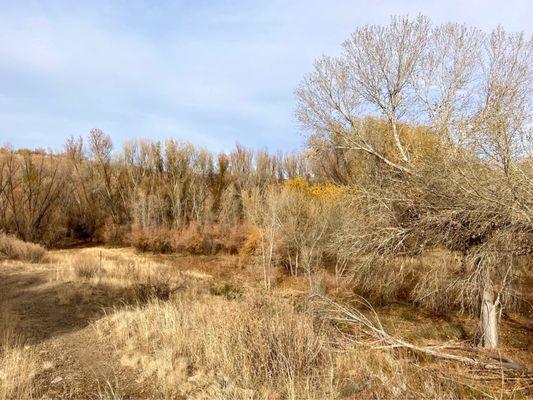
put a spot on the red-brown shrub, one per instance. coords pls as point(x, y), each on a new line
point(157, 240)
point(112, 233)
point(194, 239)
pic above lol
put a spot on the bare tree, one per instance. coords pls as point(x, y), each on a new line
point(263, 210)
point(468, 188)
point(382, 61)
point(32, 191)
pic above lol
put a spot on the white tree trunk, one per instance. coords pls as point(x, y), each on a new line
point(489, 320)
point(397, 141)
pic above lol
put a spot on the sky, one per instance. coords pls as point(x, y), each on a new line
point(214, 73)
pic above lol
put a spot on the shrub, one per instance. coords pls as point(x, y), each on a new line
point(112, 233)
point(252, 343)
point(157, 240)
point(157, 286)
point(16, 249)
point(228, 290)
point(85, 265)
point(250, 246)
point(194, 239)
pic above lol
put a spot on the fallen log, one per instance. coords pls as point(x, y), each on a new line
point(374, 330)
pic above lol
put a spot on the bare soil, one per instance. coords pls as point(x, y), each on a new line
point(55, 318)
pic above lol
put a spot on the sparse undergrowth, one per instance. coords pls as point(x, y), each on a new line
point(252, 347)
point(225, 341)
point(259, 347)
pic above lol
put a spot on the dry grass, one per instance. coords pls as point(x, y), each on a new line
point(18, 363)
point(16, 249)
point(195, 336)
point(254, 348)
point(134, 277)
point(18, 367)
point(85, 266)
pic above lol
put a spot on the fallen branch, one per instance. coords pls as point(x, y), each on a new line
point(375, 331)
point(498, 358)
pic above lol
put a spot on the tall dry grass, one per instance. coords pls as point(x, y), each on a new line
point(251, 348)
point(18, 363)
point(113, 268)
point(16, 249)
point(198, 346)
point(18, 367)
point(195, 336)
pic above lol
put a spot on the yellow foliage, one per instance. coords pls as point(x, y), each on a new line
point(325, 192)
point(421, 142)
point(297, 184)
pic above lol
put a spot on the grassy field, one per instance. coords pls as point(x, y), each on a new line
point(109, 323)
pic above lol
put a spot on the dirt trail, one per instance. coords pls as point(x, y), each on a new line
point(55, 319)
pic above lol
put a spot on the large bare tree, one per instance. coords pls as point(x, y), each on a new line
point(452, 166)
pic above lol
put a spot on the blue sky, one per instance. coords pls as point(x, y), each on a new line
point(210, 72)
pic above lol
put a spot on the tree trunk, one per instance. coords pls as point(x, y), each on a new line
point(398, 142)
point(489, 321)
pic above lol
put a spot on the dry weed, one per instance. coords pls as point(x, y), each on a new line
point(18, 367)
point(16, 249)
point(85, 265)
point(18, 363)
point(254, 345)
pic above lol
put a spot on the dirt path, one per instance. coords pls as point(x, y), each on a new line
point(55, 318)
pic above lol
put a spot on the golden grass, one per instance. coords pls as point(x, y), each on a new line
point(256, 346)
point(85, 266)
point(261, 347)
point(16, 249)
point(18, 367)
point(189, 335)
point(111, 267)
point(18, 363)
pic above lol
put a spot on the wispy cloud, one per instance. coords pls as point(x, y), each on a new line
point(212, 73)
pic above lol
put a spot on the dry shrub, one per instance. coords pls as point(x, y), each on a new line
point(226, 289)
point(112, 233)
point(157, 240)
point(194, 239)
point(157, 284)
point(85, 265)
point(210, 239)
point(156, 289)
point(16, 249)
point(250, 245)
point(252, 347)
